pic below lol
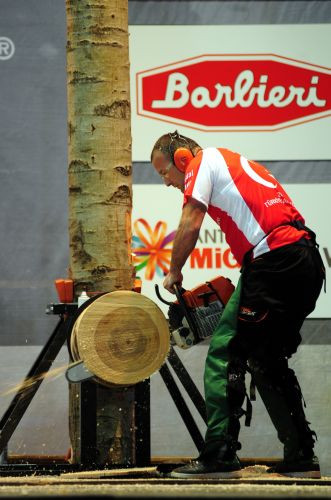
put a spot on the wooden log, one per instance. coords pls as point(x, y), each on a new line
point(122, 337)
point(100, 191)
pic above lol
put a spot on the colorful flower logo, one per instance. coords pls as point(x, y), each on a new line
point(149, 248)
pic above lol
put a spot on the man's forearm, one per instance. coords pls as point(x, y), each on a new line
point(184, 243)
point(185, 240)
point(187, 234)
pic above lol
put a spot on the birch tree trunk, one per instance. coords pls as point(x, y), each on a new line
point(100, 187)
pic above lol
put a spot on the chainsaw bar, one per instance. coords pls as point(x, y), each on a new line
point(78, 372)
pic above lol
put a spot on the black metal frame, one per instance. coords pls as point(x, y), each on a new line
point(31, 383)
point(61, 334)
point(178, 399)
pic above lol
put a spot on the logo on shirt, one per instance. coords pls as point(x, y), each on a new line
point(188, 179)
point(235, 92)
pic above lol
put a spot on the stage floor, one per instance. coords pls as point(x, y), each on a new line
point(150, 483)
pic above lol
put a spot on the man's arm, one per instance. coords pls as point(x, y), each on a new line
point(185, 240)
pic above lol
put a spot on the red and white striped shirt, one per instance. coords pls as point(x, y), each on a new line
point(244, 199)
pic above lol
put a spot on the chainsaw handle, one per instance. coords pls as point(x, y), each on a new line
point(177, 288)
point(186, 310)
point(178, 291)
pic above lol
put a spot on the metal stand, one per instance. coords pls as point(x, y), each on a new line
point(68, 314)
point(31, 383)
point(25, 394)
point(178, 399)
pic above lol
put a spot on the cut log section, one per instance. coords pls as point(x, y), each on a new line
point(122, 337)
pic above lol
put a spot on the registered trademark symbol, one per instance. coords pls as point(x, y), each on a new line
point(7, 48)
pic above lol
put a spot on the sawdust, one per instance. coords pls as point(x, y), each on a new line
point(164, 490)
point(133, 471)
point(29, 382)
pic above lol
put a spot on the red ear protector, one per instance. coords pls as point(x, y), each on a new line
point(182, 157)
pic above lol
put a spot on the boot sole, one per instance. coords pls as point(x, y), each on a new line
point(208, 475)
point(308, 474)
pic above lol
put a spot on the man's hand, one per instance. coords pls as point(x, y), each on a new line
point(171, 279)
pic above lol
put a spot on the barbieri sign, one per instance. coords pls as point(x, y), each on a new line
point(235, 92)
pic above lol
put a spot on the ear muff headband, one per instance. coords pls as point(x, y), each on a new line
point(182, 157)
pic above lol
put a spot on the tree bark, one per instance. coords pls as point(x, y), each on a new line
point(99, 142)
point(100, 189)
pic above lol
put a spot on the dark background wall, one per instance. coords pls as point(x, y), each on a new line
point(33, 196)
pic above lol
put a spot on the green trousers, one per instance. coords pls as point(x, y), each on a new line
point(265, 342)
point(216, 380)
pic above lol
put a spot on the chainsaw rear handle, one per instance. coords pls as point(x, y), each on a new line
point(157, 291)
point(181, 301)
point(187, 312)
point(177, 292)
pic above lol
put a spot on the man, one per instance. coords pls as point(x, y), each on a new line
point(281, 278)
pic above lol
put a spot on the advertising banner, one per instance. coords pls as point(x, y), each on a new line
point(155, 218)
point(264, 91)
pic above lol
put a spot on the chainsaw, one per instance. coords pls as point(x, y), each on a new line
point(195, 314)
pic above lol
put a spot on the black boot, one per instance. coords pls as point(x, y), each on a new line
point(217, 460)
point(306, 468)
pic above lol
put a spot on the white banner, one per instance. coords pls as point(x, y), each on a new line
point(262, 90)
point(155, 219)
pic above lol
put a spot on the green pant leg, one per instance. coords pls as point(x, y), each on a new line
point(216, 371)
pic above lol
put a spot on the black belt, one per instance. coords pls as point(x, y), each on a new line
point(301, 227)
point(312, 243)
point(302, 241)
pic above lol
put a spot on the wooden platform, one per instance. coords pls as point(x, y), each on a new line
point(152, 482)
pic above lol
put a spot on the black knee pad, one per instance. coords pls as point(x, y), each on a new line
point(276, 374)
point(236, 392)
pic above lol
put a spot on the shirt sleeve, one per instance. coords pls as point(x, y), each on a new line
point(198, 181)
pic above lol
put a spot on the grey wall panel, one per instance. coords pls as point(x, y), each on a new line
point(291, 172)
point(33, 167)
point(228, 12)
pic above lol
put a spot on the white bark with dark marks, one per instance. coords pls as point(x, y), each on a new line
point(100, 191)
